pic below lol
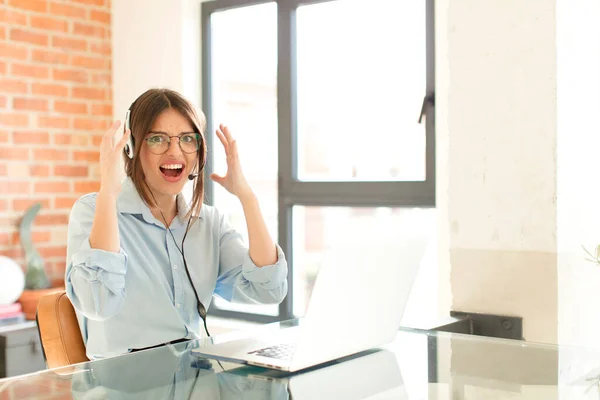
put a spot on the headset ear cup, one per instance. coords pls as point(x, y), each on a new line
point(129, 146)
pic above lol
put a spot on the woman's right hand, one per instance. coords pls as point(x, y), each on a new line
point(110, 156)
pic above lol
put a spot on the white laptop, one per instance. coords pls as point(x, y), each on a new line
point(352, 379)
point(356, 304)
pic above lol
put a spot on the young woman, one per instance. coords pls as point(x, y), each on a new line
point(143, 261)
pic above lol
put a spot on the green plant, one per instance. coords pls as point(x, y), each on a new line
point(35, 277)
point(591, 257)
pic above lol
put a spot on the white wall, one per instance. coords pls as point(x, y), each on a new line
point(578, 48)
point(155, 44)
point(496, 125)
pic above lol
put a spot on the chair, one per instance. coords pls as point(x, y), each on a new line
point(60, 336)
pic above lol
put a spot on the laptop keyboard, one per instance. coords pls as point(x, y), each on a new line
point(280, 351)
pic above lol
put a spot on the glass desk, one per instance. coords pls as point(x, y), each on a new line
point(416, 365)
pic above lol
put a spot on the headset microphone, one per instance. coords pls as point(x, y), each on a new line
point(192, 176)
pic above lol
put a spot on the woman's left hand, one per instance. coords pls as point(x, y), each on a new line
point(233, 181)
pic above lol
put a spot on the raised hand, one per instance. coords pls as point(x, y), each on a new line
point(110, 156)
point(233, 181)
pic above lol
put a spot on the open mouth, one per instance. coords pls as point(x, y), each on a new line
point(172, 171)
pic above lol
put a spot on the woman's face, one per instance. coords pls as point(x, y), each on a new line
point(167, 173)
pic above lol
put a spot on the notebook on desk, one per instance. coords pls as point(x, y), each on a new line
point(357, 304)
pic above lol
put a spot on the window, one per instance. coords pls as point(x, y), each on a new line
point(331, 103)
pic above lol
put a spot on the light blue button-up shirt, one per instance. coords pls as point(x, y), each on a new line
point(141, 296)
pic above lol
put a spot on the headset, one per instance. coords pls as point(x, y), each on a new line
point(129, 145)
point(129, 151)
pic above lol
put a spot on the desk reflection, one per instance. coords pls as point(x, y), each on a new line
point(173, 372)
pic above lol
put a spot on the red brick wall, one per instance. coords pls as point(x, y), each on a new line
point(55, 103)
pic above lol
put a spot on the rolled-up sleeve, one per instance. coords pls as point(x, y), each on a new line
point(94, 279)
point(242, 281)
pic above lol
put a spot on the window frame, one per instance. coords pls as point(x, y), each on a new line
point(291, 191)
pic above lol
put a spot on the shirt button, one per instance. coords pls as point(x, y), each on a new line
point(178, 305)
point(175, 267)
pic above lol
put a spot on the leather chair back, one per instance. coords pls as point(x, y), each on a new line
point(59, 331)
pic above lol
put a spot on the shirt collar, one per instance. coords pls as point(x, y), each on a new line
point(129, 201)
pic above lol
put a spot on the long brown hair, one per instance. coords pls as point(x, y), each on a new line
point(143, 112)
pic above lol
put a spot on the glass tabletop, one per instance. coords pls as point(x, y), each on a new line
point(415, 365)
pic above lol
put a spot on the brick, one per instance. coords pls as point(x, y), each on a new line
point(100, 16)
point(102, 109)
point(31, 138)
point(3, 101)
point(40, 237)
point(50, 57)
point(2, 32)
point(87, 124)
point(14, 120)
point(53, 122)
point(2, 68)
point(88, 62)
point(14, 153)
point(64, 202)
point(39, 170)
point(69, 43)
point(26, 36)
point(4, 136)
point(14, 187)
point(9, 222)
point(88, 93)
point(48, 23)
point(8, 85)
point(3, 171)
point(87, 187)
point(52, 251)
point(70, 75)
point(15, 253)
point(95, 171)
point(103, 48)
point(90, 30)
point(91, 2)
point(66, 10)
point(96, 140)
point(56, 219)
point(69, 107)
point(51, 187)
point(102, 79)
point(50, 89)
point(59, 234)
point(6, 239)
point(9, 50)
point(50, 155)
point(3, 205)
point(70, 171)
point(30, 5)
point(20, 103)
point(92, 156)
point(12, 17)
point(22, 204)
point(70, 139)
point(58, 269)
point(30, 71)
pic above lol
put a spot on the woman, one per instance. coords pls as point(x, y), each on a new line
point(142, 261)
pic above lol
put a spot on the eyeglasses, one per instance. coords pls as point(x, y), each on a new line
point(159, 143)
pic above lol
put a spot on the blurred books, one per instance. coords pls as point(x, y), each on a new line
point(11, 314)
